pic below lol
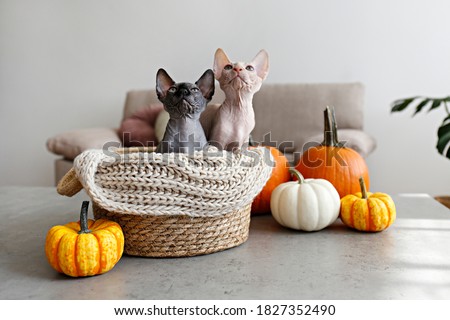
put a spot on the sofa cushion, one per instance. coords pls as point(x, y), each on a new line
point(71, 143)
point(139, 128)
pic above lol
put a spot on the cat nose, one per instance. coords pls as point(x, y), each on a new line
point(185, 92)
point(237, 69)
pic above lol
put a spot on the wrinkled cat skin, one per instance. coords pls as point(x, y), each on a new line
point(228, 126)
point(184, 102)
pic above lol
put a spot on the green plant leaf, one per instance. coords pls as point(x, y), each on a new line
point(436, 104)
point(447, 119)
point(421, 105)
point(444, 137)
point(448, 153)
point(402, 104)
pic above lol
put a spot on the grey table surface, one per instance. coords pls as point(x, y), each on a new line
point(410, 260)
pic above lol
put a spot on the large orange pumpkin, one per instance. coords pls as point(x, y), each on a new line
point(332, 161)
point(280, 174)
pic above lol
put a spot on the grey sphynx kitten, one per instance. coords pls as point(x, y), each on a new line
point(184, 102)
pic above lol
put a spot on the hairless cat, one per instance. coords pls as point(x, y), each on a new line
point(184, 102)
point(228, 126)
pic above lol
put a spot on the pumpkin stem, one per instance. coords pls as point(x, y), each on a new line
point(330, 138)
point(251, 142)
point(298, 175)
point(83, 218)
point(363, 188)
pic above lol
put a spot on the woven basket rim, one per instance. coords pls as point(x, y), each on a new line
point(160, 189)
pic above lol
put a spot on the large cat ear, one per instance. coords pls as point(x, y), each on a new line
point(206, 84)
point(261, 64)
point(220, 61)
point(163, 83)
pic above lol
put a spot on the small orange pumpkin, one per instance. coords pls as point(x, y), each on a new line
point(332, 161)
point(280, 174)
point(367, 211)
point(84, 248)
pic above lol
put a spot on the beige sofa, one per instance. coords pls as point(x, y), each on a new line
point(287, 115)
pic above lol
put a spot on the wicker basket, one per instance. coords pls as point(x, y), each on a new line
point(172, 205)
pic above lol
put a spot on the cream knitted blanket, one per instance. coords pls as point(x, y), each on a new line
point(199, 185)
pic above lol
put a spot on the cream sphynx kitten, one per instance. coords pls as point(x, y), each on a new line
point(228, 126)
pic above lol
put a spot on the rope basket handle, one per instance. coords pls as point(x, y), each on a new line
point(69, 185)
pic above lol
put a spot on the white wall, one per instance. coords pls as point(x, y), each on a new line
point(67, 64)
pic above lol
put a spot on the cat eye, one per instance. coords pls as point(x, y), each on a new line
point(195, 90)
point(172, 89)
point(228, 67)
point(249, 68)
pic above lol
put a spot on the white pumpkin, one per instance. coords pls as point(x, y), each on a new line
point(306, 204)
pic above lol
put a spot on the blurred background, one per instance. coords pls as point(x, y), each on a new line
point(67, 64)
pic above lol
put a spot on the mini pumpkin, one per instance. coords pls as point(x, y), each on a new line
point(332, 161)
point(280, 174)
point(84, 248)
point(306, 204)
point(367, 211)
